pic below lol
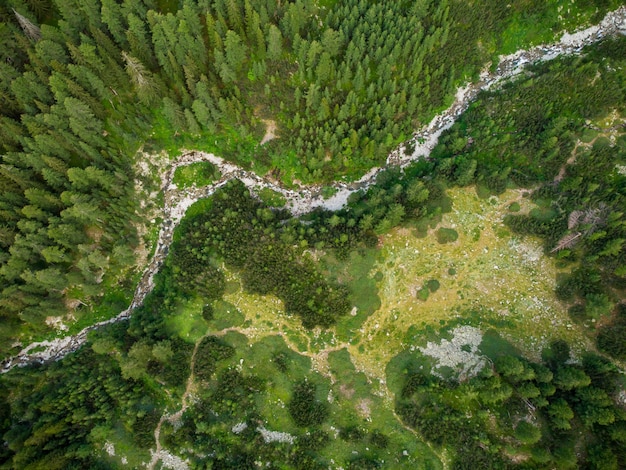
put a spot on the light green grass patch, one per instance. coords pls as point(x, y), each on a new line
point(272, 198)
point(117, 440)
point(187, 321)
point(357, 273)
point(226, 315)
point(195, 174)
point(528, 28)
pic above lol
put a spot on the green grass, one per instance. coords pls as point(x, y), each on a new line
point(152, 236)
point(198, 207)
point(357, 402)
point(357, 273)
point(196, 174)
point(496, 281)
point(234, 144)
point(187, 321)
point(528, 28)
point(272, 198)
point(115, 300)
point(259, 358)
point(123, 445)
point(226, 315)
point(328, 191)
point(494, 346)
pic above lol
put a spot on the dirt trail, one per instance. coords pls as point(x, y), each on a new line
point(162, 455)
point(310, 198)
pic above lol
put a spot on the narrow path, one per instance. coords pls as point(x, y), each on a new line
point(161, 454)
point(310, 198)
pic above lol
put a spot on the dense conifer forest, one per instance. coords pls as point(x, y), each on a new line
point(88, 88)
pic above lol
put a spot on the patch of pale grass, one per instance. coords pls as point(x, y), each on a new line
point(496, 272)
point(265, 315)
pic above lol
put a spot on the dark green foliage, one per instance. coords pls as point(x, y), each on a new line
point(612, 336)
point(304, 408)
point(352, 433)
point(55, 410)
point(524, 401)
point(174, 371)
point(379, 439)
point(602, 457)
point(433, 285)
point(207, 312)
point(235, 393)
point(364, 463)
point(193, 273)
point(527, 433)
point(248, 237)
point(281, 362)
point(556, 354)
point(447, 235)
point(423, 294)
point(314, 440)
point(568, 378)
point(68, 209)
point(210, 351)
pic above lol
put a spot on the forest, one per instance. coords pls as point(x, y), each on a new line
point(88, 86)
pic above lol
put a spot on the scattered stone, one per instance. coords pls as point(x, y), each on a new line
point(460, 353)
point(239, 427)
point(109, 448)
point(276, 436)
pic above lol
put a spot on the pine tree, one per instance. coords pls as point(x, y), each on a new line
point(274, 43)
point(139, 41)
point(235, 52)
point(114, 18)
point(141, 78)
point(30, 29)
point(174, 114)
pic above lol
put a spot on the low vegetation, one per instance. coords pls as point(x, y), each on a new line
point(196, 174)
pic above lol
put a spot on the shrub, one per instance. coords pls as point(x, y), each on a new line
point(433, 285)
point(423, 294)
point(303, 408)
point(527, 433)
point(447, 235)
point(207, 312)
